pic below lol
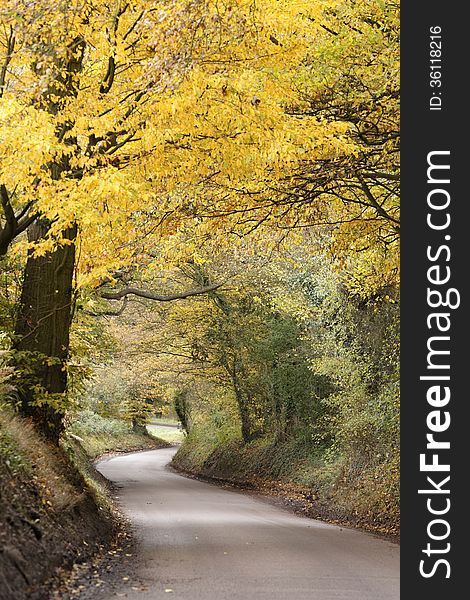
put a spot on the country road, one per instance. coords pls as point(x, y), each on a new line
point(197, 541)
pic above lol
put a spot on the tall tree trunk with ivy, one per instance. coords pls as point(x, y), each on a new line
point(42, 333)
point(242, 402)
point(42, 330)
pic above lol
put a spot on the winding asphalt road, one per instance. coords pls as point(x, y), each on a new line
point(200, 542)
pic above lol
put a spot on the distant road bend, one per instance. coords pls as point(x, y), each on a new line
point(201, 542)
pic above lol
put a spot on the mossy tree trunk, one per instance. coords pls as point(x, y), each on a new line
point(242, 403)
point(44, 318)
point(42, 332)
point(139, 426)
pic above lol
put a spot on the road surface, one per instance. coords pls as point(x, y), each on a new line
point(197, 541)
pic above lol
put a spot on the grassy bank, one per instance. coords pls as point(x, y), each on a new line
point(51, 512)
point(98, 435)
point(301, 477)
point(166, 429)
point(55, 508)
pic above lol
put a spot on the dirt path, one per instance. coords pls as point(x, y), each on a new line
point(200, 542)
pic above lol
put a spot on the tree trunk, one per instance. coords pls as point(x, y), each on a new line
point(42, 333)
point(139, 426)
point(243, 407)
point(45, 314)
point(182, 409)
point(244, 417)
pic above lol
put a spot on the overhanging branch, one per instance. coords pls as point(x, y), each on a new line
point(158, 297)
point(15, 224)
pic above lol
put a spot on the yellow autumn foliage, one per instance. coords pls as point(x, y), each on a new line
point(146, 122)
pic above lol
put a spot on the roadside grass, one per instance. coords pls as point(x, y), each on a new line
point(96, 445)
point(27, 455)
point(172, 435)
point(170, 421)
point(10, 451)
point(317, 484)
point(54, 509)
point(99, 435)
point(59, 482)
point(96, 484)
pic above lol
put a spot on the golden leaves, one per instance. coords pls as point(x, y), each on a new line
point(199, 120)
point(27, 141)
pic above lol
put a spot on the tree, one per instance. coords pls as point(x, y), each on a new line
point(132, 126)
point(90, 114)
point(244, 343)
point(350, 78)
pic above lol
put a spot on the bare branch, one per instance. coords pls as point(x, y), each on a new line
point(7, 233)
point(158, 297)
point(379, 209)
point(14, 223)
point(381, 175)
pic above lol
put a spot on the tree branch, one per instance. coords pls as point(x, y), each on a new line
point(6, 62)
point(108, 80)
point(374, 204)
point(381, 175)
point(158, 297)
point(109, 77)
point(14, 223)
point(7, 233)
point(6, 205)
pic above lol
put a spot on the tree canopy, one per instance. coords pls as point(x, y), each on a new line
point(230, 170)
point(140, 121)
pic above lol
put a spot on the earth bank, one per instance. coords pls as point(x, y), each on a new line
point(55, 508)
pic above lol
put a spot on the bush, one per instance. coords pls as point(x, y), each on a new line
point(87, 422)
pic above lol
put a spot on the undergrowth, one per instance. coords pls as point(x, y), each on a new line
point(99, 435)
point(367, 497)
